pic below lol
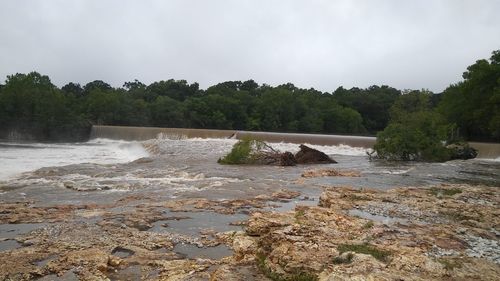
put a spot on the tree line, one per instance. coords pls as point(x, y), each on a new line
point(422, 127)
point(31, 106)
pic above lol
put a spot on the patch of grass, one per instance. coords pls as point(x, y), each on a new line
point(355, 197)
point(455, 215)
point(299, 214)
point(343, 259)
point(444, 192)
point(364, 249)
point(450, 264)
point(368, 225)
point(299, 276)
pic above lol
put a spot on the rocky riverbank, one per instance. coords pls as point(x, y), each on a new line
point(446, 232)
point(443, 232)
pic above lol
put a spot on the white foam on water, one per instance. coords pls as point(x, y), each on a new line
point(397, 171)
point(224, 146)
point(340, 149)
point(171, 179)
point(489, 159)
point(16, 158)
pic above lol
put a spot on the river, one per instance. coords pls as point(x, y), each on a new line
point(114, 181)
point(186, 166)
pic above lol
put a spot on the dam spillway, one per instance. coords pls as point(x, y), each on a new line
point(485, 150)
point(145, 133)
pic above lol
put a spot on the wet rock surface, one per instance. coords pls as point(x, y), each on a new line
point(116, 241)
point(449, 235)
point(444, 232)
point(329, 173)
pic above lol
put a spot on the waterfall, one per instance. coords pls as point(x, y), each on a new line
point(485, 150)
point(145, 133)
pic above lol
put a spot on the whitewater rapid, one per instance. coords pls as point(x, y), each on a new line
point(16, 158)
point(175, 166)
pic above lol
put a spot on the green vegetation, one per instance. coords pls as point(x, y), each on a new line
point(243, 152)
point(343, 259)
point(458, 215)
point(450, 264)
point(444, 192)
point(421, 127)
point(299, 216)
point(355, 197)
point(372, 103)
point(368, 225)
point(415, 132)
point(299, 276)
point(31, 106)
point(474, 104)
point(411, 124)
point(364, 249)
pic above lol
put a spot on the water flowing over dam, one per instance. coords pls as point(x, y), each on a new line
point(145, 133)
point(486, 150)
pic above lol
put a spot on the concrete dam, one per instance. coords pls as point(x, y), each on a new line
point(485, 150)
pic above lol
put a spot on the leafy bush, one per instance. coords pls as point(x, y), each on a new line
point(243, 152)
point(419, 135)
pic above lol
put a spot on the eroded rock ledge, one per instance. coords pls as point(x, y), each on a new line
point(447, 232)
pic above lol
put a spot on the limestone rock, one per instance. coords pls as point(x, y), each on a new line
point(244, 246)
point(260, 224)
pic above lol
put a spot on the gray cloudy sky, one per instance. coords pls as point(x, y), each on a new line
point(311, 43)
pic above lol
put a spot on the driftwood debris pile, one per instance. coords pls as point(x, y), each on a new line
point(260, 153)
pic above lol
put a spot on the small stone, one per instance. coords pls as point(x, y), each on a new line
point(114, 261)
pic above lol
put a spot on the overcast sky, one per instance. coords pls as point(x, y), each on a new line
point(312, 43)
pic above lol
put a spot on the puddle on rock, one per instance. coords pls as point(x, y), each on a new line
point(377, 218)
point(122, 252)
point(13, 230)
point(198, 221)
point(194, 252)
point(288, 205)
point(161, 250)
point(68, 276)
point(44, 262)
point(130, 273)
point(9, 244)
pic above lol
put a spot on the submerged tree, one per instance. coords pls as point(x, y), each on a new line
point(418, 131)
point(415, 132)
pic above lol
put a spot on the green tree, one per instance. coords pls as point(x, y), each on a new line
point(415, 132)
point(167, 112)
point(32, 106)
point(372, 103)
point(474, 104)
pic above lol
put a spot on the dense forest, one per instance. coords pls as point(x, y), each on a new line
point(31, 107)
